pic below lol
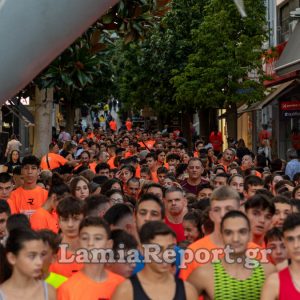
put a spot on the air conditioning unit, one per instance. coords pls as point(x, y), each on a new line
point(292, 26)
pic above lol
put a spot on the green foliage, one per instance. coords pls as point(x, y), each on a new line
point(144, 69)
point(229, 49)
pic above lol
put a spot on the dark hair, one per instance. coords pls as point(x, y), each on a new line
point(153, 228)
point(52, 239)
point(156, 185)
point(281, 199)
point(130, 168)
point(17, 170)
point(17, 221)
point(4, 207)
point(296, 188)
point(224, 175)
point(100, 180)
point(102, 166)
point(30, 160)
point(173, 156)
point(11, 154)
point(122, 237)
point(233, 176)
point(58, 186)
point(253, 181)
point(14, 244)
point(291, 222)
point(109, 183)
point(74, 182)
point(95, 222)
point(5, 177)
point(162, 170)
point(260, 202)
point(195, 217)
point(280, 186)
point(235, 214)
point(264, 192)
point(115, 214)
point(94, 203)
point(154, 198)
point(70, 206)
point(273, 234)
point(151, 155)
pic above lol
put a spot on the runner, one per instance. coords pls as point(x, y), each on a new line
point(236, 276)
point(24, 260)
point(93, 282)
point(286, 283)
point(156, 281)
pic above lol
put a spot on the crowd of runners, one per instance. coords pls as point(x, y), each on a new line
point(130, 214)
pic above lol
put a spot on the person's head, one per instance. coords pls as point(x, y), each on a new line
point(291, 236)
point(4, 214)
point(236, 181)
point(155, 189)
point(292, 154)
point(103, 157)
point(151, 160)
point(96, 205)
point(16, 221)
point(58, 190)
point(247, 162)
point(127, 172)
point(195, 168)
point(173, 159)
point(161, 172)
point(85, 157)
point(133, 187)
point(70, 212)
point(220, 180)
point(6, 185)
point(295, 194)
point(192, 223)
point(115, 196)
point(145, 173)
point(251, 185)
point(148, 208)
point(122, 241)
point(30, 169)
point(53, 148)
point(283, 208)
point(161, 156)
point(120, 216)
point(228, 155)
point(275, 179)
point(94, 233)
point(103, 169)
point(14, 156)
point(111, 184)
point(205, 191)
point(79, 187)
point(159, 234)
point(18, 178)
point(274, 241)
point(236, 232)
point(23, 254)
point(169, 181)
point(223, 200)
point(260, 211)
point(175, 201)
point(51, 242)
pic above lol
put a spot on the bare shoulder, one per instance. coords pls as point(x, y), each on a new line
point(269, 269)
point(123, 291)
point(271, 288)
point(190, 291)
point(51, 292)
point(198, 277)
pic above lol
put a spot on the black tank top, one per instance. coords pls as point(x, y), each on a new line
point(139, 293)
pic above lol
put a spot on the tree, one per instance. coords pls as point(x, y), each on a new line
point(229, 50)
point(143, 69)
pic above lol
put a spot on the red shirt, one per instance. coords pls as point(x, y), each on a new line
point(178, 229)
point(216, 140)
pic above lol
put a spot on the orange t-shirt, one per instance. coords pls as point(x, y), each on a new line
point(42, 219)
point(93, 166)
point(27, 201)
point(154, 177)
point(128, 125)
point(111, 162)
point(66, 269)
point(205, 244)
point(55, 161)
point(148, 143)
point(80, 286)
point(113, 125)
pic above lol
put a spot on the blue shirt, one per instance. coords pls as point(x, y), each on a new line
point(292, 168)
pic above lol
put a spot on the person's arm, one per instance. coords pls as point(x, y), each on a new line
point(51, 292)
point(7, 149)
point(123, 291)
point(270, 289)
point(190, 291)
point(198, 278)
